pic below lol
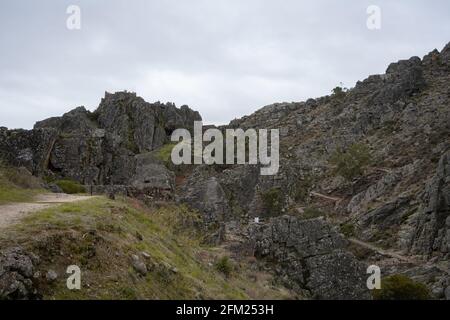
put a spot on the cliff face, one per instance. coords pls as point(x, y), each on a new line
point(105, 147)
point(398, 200)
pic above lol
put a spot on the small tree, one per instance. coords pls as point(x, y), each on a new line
point(224, 266)
point(352, 162)
point(339, 92)
point(273, 201)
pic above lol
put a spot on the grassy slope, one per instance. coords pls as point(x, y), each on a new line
point(100, 235)
point(17, 186)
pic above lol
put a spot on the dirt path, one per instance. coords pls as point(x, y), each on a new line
point(316, 194)
point(12, 213)
point(444, 267)
point(382, 251)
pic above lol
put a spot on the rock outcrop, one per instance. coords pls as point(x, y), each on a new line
point(107, 147)
point(311, 258)
point(399, 201)
point(431, 235)
point(16, 275)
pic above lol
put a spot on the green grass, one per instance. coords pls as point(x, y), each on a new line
point(10, 194)
point(70, 187)
point(164, 153)
point(17, 185)
point(311, 213)
point(273, 201)
point(99, 235)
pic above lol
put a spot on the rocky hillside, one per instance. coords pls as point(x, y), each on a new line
point(111, 146)
point(364, 177)
point(373, 161)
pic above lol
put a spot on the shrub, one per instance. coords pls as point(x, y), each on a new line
point(400, 287)
point(339, 92)
point(70, 187)
point(352, 162)
point(311, 213)
point(273, 201)
point(21, 178)
point(224, 266)
point(348, 230)
point(302, 189)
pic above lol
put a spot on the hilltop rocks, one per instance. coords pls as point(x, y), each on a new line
point(403, 78)
point(136, 124)
point(77, 120)
point(102, 147)
point(311, 256)
point(141, 125)
point(16, 274)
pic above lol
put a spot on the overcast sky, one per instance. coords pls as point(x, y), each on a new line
point(224, 58)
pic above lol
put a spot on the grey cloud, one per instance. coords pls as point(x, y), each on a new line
point(223, 58)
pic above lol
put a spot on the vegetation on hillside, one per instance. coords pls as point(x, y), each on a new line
point(17, 185)
point(352, 162)
point(165, 152)
point(273, 201)
point(101, 236)
point(224, 265)
point(70, 186)
point(400, 287)
point(311, 213)
point(339, 92)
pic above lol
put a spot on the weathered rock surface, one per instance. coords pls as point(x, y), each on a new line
point(310, 255)
point(403, 116)
point(16, 275)
point(204, 192)
point(138, 265)
point(431, 236)
point(401, 201)
point(106, 147)
point(30, 149)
